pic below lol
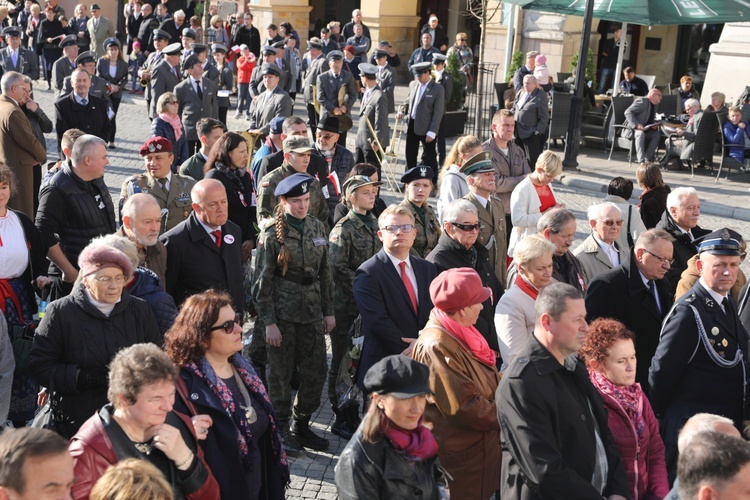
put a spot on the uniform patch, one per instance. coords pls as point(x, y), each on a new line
point(265, 184)
point(319, 242)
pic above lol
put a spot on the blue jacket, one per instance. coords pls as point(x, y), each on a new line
point(180, 148)
point(736, 135)
point(148, 287)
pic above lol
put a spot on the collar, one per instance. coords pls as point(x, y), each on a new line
point(605, 246)
point(395, 261)
point(544, 362)
point(481, 199)
point(194, 81)
point(205, 158)
point(643, 278)
point(716, 296)
point(208, 228)
point(79, 98)
point(169, 177)
point(439, 73)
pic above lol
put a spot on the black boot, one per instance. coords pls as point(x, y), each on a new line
point(292, 447)
point(341, 426)
point(353, 414)
point(306, 437)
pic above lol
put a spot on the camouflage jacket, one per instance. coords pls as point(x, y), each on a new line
point(267, 200)
point(428, 231)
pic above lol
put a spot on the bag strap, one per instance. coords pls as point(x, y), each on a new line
point(630, 217)
point(182, 390)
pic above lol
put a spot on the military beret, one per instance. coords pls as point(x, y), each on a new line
point(161, 35)
point(477, 164)
point(173, 49)
point(270, 69)
point(721, 242)
point(85, 57)
point(350, 49)
point(419, 68)
point(368, 69)
point(335, 54)
point(190, 61)
point(68, 41)
point(296, 144)
point(156, 144)
point(294, 186)
point(416, 173)
point(399, 376)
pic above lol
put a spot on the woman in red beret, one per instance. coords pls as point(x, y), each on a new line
point(463, 378)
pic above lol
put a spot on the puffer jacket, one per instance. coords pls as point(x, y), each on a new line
point(148, 287)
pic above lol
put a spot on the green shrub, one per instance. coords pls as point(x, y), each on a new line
point(452, 68)
point(515, 62)
point(590, 68)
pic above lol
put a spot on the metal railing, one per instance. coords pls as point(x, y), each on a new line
point(488, 73)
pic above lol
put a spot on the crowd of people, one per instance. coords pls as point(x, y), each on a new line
point(473, 350)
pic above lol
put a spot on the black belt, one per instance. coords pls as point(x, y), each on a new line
point(296, 278)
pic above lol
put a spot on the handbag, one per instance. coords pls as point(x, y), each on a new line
point(21, 339)
point(48, 416)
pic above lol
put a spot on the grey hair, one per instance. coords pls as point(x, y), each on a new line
point(178, 14)
point(648, 238)
point(27, 79)
point(678, 195)
point(457, 207)
point(711, 458)
point(120, 243)
point(595, 211)
point(700, 422)
point(529, 77)
point(532, 247)
point(692, 102)
point(135, 202)
point(553, 300)
point(10, 79)
point(83, 147)
point(554, 220)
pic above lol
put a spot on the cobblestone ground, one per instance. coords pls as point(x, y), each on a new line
point(313, 473)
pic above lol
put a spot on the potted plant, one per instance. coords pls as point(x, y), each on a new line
point(455, 114)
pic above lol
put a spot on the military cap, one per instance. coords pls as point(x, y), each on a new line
point(278, 45)
point(416, 173)
point(111, 41)
point(293, 186)
point(12, 31)
point(439, 58)
point(198, 48)
point(379, 53)
point(68, 41)
point(161, 35)
point(477, 164)
point(384, 43)
point(156, 144)
point(335, 54)
point(270, 69)
point(721, 242)
point(399, 376)
point(218, 47)
point(368, 69)
point(190, 61)
point(277, 124)
point(190, 33)
point(315, 43)
point(94, 6)
point(357, 181)
point(85, 57)
point(268, 51)
point(296, 144)
point(173, 49)
point(419, 68)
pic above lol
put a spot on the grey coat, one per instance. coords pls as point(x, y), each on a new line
point(256, 81)
point(192, 108)
point(163, 79)
point(61, 69)
point(318, 66)
point(639, 112)
point(387, 82)
point(27, 64)
point(269, 105)
point(328, 92)
point(430, 108)
point(533, 115)
point(376, 110)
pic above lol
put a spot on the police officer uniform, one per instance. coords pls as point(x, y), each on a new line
point(374, 108)
point(152, 60)
point(173, 197)
point(98, 85)
point(187, 34)
point(329, 88)
point(425, 219)
point(701, 362)
point(64, 67)
point(164, 78)
point(26, 62)
point(270, 103)
point(444, 79)
point(296, 300)
point(209, 70)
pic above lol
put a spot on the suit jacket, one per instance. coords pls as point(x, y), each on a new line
point(387, 82)
point(492, 234)
point(532, 114)
point(328, 92)
point(621, 294)
point(195, 263)
point(99, 34)
point(192, 108)
point(176, 206)
point(146, 33)
point(120, 78)
point(386, 309)
point(317, 67)
point(27, 63)
point(639, 113)
point(256, 80)
point(61, 69)
point(225, 81)
point(447, 82)
point(163, 79)
point(267, 106)
point(20, 150)
point(430, 108)
point(593, 259)
point(98, 88)
point(91, 119)
point(376, 110)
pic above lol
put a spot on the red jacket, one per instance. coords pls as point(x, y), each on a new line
point(244, 69)
point(645, 467)
point(93, 452)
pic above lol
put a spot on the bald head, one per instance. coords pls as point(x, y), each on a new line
point(210, 202)
point(203, 187)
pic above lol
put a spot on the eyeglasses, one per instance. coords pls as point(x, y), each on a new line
point(610, 222)
point(466, 227)
point(394, 228)
point(106, 280)
point(228, 326)
point(660, 259)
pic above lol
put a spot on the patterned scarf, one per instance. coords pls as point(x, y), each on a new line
point(204, 371)
point(628, 396)
point(417, 445)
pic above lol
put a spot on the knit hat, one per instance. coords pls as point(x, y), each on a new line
point(98, 256)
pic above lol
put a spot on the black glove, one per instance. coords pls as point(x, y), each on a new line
point(92, 378)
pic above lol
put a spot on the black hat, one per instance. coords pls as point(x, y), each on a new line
point(85, 57)
point(416, 173)
point(68, 41)
point(335, 54)
point(398, 375)
point(173, 49)
point(94, 7)
point(293, 186)
point(190, 33)
point(12, 31)
point(477, 164)
point(268, 51)
point(111, 41)
point(419, 68)
point(161, 35)
point(721, 242)
point(368, 69)
point(218, 47)
point(190, 61)
point(379, 53)
point(198, 48)
point(270, 69)
point(330, 124)
point(315, 43)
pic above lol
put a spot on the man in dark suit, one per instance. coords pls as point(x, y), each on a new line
point(133, 24)
point(165, 76)
point(701, 364)
point(374, 108)
point(316, 66)
point(629, 294)
point(436, 31)
point(17, 58)
point(386, 77)
point(87, 62)
point(82, 110)
point(205, 251)
point(444, 79)
point(531, 111)
point(631, 84)
point(424, 109)
point(392, 291)
point(348, 29)
point(639, 115)
point(174, 26)
point(330, 84)
point(197, 99)
point(527, 69)
point(271, 103)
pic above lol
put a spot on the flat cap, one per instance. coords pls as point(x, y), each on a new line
point(399, 376)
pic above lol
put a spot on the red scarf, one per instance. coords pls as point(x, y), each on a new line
point(526, 286)
point(418, 444)
point(468, 336)
point(630, 398)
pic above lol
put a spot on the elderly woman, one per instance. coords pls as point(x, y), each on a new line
point(417, 187)
point(392, 455)
point(139, 422)
point(514, 314)
point(531, 110)
point(240, 434)
point(463, 379)
point(113, 69)
point(168, 124)
point(458, 248)
point(217, 33)
point(81, 333)
point(226, 78)
point(654, 195)
point(718, 103)
point(451, 180)
point(532, 197)
point(609, 354)
point(686, 90)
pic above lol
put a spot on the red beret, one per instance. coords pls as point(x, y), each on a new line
point(457, 288)
point(156, 145)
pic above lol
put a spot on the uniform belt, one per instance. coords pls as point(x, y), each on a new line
point(297, 278)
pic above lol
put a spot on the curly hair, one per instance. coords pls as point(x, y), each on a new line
point(135, 367)
point(602, 334)
point(190, 335)
point(7, 176)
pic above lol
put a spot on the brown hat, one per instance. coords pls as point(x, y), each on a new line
point(457, 288)
point(98, 256)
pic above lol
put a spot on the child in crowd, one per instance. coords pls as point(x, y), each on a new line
point(137, 58)
point(541, 73)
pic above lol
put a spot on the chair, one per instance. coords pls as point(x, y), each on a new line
point(664, 89)
point(649, 79)
point(559, 117)
point(745, 112)
point(669, 105)
point(725, 158)
point(561, 77)
point(596, 125)
point(561, 87)
point(619, 105)
point(705, 138)
point(500, 89)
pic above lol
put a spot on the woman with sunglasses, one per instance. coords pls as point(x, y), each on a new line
point(168, 124)
point(293, 295)
point(233, 418)
point(417, 187)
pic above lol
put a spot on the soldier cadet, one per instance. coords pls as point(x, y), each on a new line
point(386, 78)
point(272, 102)
point(165, 76)
point(444, 79)
point(480, 176)
point(161, 41)
point(197, 97)
point(17, 58)
point(353, 240)
point(297, 152)
point(294, 298)
point(330, 84)
point(417, 186)
point(256, 79)
point(189, 37)
point(316, 67)
point(86, 62)
point(701, 362)
point(210, 71)
point(171, 191)
point(374, 108)
point(64, 66)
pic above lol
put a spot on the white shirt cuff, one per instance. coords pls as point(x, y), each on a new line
point(431, 135)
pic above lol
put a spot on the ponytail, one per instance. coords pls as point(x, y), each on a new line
point(283, 258)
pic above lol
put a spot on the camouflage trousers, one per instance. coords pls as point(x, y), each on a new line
point(339, 344)
point(306, 344)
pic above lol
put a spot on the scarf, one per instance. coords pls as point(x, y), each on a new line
point(469, 336)
point(175, 122)
point(526, 286)
point(629, 398)
point(204, 371)
point(417, 445)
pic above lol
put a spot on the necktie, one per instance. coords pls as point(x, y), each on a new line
point(727, 307)
point(14, 58)
point(84, 102)
point(655, 293)
point(163, 184)
point(200, 91)
point(417, 98)
point(217, 236)
point(408, 285)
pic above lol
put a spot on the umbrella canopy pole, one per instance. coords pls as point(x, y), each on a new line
point(620, 56)
point(573, 138)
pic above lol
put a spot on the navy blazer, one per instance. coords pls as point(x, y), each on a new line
point(179, 148)
point(386, 309)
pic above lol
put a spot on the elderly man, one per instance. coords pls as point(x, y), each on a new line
point(348, 29)
point(338, 159)
point(422, 53)
point(458, 246)
point(424, 110)
point(682, 145)
point(527, 69)
point(631, 84)
point(64, 66)
point(619, 192)
point(17, 58)
point(315, 66)
point(329, 85)
point(174, 26)
point(681, 221)
point(701, 362)
point(171, 191)
point(82, 110)
point(209, 130)
point(600, 252)
point(548, 408)
point(531, 111)
point(271, 103)
point(197, 98)
point(641, 119)
point(100, 28)
point(439, 38)
point(141, 224)
point(637, 295)
point(715, 466)
point(98, 88)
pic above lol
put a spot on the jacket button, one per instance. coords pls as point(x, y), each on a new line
point(583, 417)
point(194, 396)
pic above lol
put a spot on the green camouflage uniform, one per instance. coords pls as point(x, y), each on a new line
point(296, 303)
point(352, 243)
point(176, 205)
point(428, 231)
point(267, 200)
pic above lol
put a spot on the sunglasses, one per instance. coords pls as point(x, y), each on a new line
point(610, 222)
point(228, 326)
point(466, 227)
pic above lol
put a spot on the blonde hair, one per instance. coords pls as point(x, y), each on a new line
point(161, 104)
point(132, 478)
point(463, 145)
point(550, 163)
point(282, 260)
point(214, 20)
point(532, 247)
point(461, 35)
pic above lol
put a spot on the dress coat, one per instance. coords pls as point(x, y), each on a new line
point(163, 79)
point(524, 211)
point(430, 108)
point(98, 88)
point(61, 69)
point(532, 113)
point(176, 206)
point(268, 106)
point(374, 109)
point(27, 64)
point(385, 307)
point(192, 108)
point(387, 82)
point(99, 33)
point(328, 92)
point(492, 233)
point(121, 75)
point(317, 66)
point(593, 259)
point(514, 323)
point(146, 33)
point(91, 119)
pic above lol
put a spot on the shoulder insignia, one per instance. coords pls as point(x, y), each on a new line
point(265, 184)
point(690, 298)
point(334, 237)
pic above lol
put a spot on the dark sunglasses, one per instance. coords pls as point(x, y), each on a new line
point(466, 227)
point(228, 326)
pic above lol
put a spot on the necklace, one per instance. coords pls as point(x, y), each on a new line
point(144, 448)
point(250, 414)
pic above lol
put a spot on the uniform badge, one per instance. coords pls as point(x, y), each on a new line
point(725, 236)
point(228, 239)
point(690, 299)
point(724, 343)
point(715, 331)
point(423, 171)
point(265, 184)
point(334, 238)
point(709, 302)
point(303, 186)
point(712, 342)
point(194, 396)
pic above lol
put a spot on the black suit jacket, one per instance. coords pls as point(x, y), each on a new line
point(91, 119)
point(195, 263)
point(386, 309)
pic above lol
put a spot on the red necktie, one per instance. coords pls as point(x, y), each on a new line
point(408, 285)
point(217, 236)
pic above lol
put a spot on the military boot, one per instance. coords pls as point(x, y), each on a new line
point(305, 436)
point(352, 411)
point(342, 427)
point(292, 447)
